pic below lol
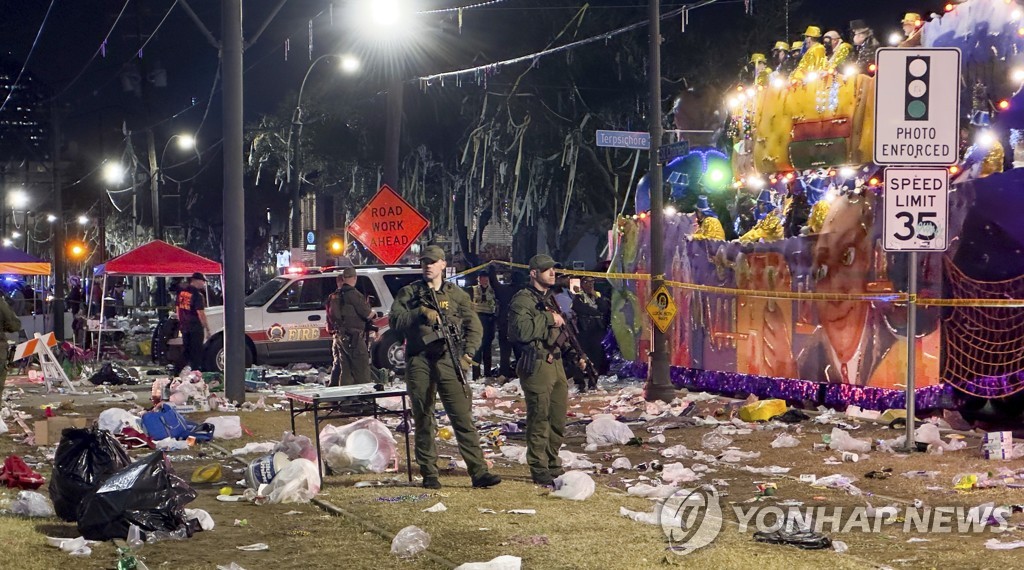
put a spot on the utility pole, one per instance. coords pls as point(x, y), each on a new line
point(234, 201)
point(658, 386)
point(296, 233)
point(59, 271)
point(393, 133)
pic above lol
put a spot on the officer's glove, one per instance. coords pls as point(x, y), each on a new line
point(467, 362)
point(430, 315)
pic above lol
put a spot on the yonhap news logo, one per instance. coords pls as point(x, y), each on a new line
point(693, 518)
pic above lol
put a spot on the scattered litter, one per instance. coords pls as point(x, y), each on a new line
point(804, 539)
point(660, 438)
point(841, 440)
point(255, 547)
point(737, 456)
point(499, 563)
point(571, 460)
point(32, 504)
point(785, 440)
point(204, 518)
point(438, 508)
point(232, 566)
point(652, 518)
point(251, 448)
point(73, 546)
point(522, 511)
point(916, 539)
point(655, 492)
point(298, 482)
point(606, 430)
point(226, 427)
point(839, 546)
point(996, 544)
point(514, 453)
point(621, 463)
point(678, 473)
point(715, 441)
point(574, 485)
point(409, 542)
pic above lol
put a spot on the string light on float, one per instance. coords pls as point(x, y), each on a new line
point(986, 139)
point(1017, 75)
point(850, 71)
point(670, 211)
point(811, 77)
point(778, 82)
point(847, 172)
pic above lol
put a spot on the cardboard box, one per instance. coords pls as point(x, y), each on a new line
point(48, 431)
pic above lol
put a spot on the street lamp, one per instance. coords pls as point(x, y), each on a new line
point(348, 64)
point(83, 219)
point(113, 173)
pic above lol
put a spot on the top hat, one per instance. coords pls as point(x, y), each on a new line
point(859, 26)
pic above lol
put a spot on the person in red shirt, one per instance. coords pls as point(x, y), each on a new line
point(191, 308)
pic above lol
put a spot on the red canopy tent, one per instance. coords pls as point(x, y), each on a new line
point(159, 259)
point(155, 259)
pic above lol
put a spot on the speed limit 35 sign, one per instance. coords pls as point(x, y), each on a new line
point(916, 209)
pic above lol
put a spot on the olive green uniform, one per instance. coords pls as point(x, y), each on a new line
point(9, 322)
point(348, 320)
point(429, 371)
point(542, 377)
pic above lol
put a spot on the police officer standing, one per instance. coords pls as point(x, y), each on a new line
point(485, 303)
point(348, 321)
point(429, 368)
point(537, 329)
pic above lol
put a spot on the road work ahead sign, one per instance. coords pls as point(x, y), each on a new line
point(917, 106)
point(388, 225)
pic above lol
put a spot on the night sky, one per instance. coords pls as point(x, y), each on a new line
point(96, 103)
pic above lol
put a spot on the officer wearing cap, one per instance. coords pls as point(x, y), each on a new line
point(191, 309)
point(349, 318)
point(537, 328)
point(429, 369)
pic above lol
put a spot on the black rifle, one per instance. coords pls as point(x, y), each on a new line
point(570, 336)
point(451, 333)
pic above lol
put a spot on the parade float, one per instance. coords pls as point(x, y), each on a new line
point(805, 304)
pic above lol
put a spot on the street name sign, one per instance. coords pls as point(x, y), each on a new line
point(667, 152)
point(917, 106)
point(388, 225)
point(916, 215)
point(624, 139)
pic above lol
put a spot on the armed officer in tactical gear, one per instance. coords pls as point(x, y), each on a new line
point(536, 327)
point(349, 319)
point(430, 367)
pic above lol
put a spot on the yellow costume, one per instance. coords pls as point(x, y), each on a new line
point(710, 229)
point(814, 59)
point(839, 56)
point(819, 211)
point(993, 162)
point(768, 229)
point(760, 77)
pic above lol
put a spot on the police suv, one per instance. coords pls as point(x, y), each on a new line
point(285, 319)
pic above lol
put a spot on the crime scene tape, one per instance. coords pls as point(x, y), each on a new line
point(896, 298)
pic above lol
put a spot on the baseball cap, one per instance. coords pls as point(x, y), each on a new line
point(199, 276)
point(543, 262)
point(432, 253)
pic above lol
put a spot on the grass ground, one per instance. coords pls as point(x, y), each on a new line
point(562, 534)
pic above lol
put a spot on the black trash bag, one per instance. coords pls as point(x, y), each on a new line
point(801, 538)
point(147, 493)
point(84, 460)
point(113, 374)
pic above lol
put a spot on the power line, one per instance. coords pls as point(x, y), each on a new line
point(31, 50)
point(99, 50)
point(426, 80)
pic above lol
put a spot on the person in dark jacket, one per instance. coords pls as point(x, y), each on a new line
point(349, 319)
point(593, 316)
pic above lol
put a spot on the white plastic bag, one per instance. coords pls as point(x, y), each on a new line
point(32, 504)
point(574, 485)
point(296, 446)
point(499, 563)
point(785, 440)
point(409, 542)
point(843, 441)
point(572, 460)
point(715, 441)
point(3, 427)
point(514, 453)
point(204, 518)
point(116, 419)
point(297, 483)
point(385, 444)
point(226, 427)
point(605, 430)
point(678, 473)
point(622, 463)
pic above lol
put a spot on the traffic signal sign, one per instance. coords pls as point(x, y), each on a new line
point(917, 88)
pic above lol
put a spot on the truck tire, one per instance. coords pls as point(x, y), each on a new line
point(389, 352)
point(213, 354)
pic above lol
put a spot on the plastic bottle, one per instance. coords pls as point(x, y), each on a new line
point(134, 539)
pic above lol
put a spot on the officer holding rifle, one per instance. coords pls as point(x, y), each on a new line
point(441, 332)
point(538, 327)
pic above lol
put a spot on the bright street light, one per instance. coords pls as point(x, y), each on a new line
point(349, 64)
point(83, 219)
point(15, 235)
point(7, 242)
point(385, 14)
point(113, 173)
point(18, 199)
point(51, 218)
point(186, 141)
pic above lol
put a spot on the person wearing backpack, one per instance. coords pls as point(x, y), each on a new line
point(11, 324)
point(191, 307)
point(349, 318)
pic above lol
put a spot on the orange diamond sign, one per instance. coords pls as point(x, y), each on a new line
point(388, 225)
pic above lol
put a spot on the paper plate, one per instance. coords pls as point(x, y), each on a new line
point(361, 445)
